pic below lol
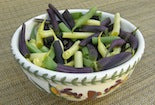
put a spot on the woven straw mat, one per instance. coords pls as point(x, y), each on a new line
point(16, 89)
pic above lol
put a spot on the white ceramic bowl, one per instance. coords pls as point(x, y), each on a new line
point(78, 87)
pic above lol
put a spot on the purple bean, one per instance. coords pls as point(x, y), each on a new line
point(68, 69)
point(106, 22)
point(117, 42)
point(58, 14)
point(93, 54)
point(53, 20)
point(84, 42)
point(113, 61)
point(22, 43)
point(93, 28)
point(58, 52)
point(68, 17)
point(131, 39)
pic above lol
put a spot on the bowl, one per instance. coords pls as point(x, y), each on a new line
point(78, 87)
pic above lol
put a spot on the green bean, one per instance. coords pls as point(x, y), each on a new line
point(33, 42)
point(39, 41)
point(127, 46)
point(116, 50)
point(88, 62)
point(71, 51)
point(99, 14)
point(116, 29)
point(37, 55)
point(63, 27)
point(44, 49)
point(101, 47)
point(71, 63)
point(85, 52)
point(130, 50)
point(33, 34)
point(76, 35)
point(38, 58)
point(76, 15)
point(105, 40)
point(45, 34)
point(92, 22)
point(55, 39)
point(84, 18)
point(51, 52)
point(37, 62)
point(78, 59)
point(32, 48)
point(49, 63)
point(106, 32)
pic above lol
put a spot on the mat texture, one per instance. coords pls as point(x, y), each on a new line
point(16, 89)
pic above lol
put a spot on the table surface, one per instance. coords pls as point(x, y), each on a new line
point(16, 89)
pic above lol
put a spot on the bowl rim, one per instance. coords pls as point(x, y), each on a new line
point(71, 76)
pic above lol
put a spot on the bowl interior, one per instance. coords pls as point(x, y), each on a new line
point(125, 25)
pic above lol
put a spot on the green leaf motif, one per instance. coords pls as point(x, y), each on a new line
point(45, 76)
point(53, 78)
point(18, 60)
point(63, 80)
point(134, 64)
point(14, 55)
point(103, 80)
point(35, 73)
point(24, 67)
point(22, 64)
point(28, 69)
point(93, 81)
point(74, 81)
point(121, 73)
point(114, 75)
point(127, 70)
point(83, 82)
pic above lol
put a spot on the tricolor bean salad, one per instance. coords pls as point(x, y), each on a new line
point(77, 42)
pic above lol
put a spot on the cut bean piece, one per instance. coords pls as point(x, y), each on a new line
point(78, 59)
point(116, 27)
point(76, 35)
point(105, 40)
point(72, 50)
